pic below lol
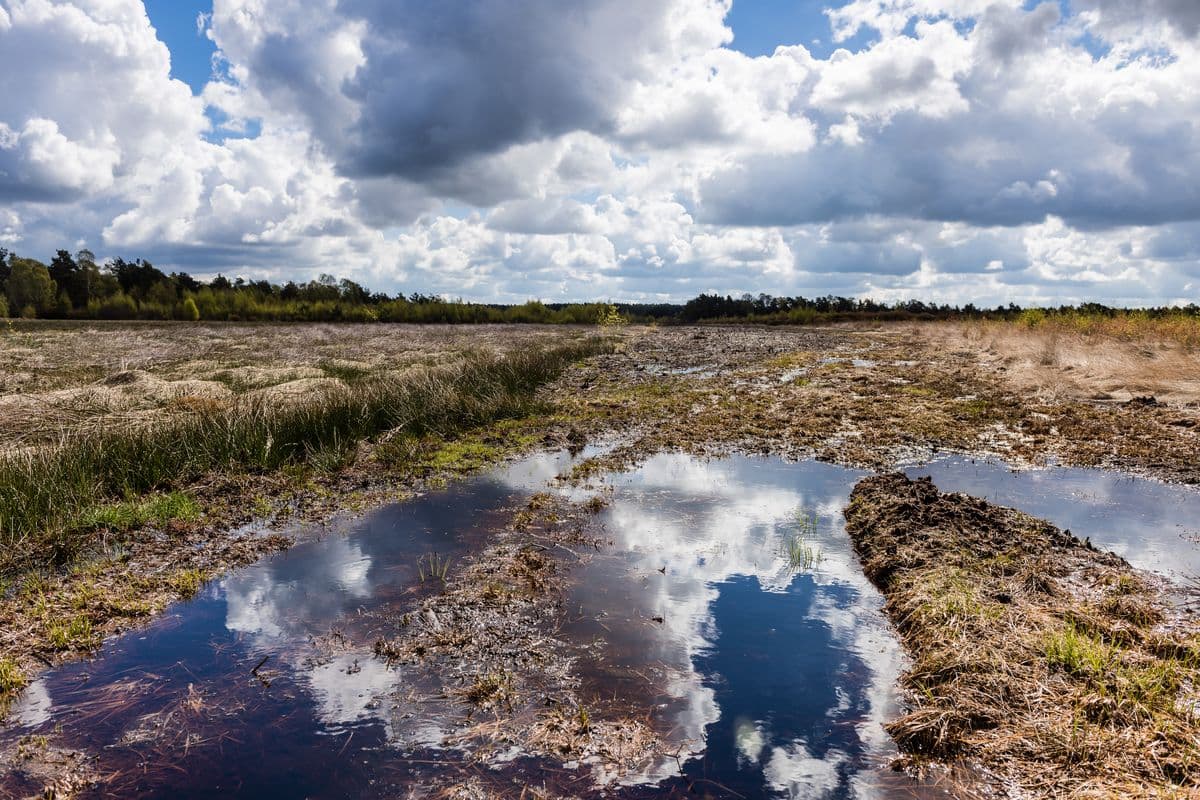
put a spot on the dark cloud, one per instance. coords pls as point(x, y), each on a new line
point(1183, 15)
point(1126, 167)
point(440, 84)
point(1006, 33)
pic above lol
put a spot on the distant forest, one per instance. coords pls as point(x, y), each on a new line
point(76, 287)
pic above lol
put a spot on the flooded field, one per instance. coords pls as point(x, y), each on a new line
point(722, 603)
point(696, 608)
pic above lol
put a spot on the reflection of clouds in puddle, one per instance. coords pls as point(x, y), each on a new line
point(1139, 519)
point(795, 772)
point(749, 740)
point(709, 522)
point(262, 603)
point(34, 706)
point(278, 610)
point(347, 689)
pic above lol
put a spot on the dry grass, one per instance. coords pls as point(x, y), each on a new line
point(52, 495)
point(1104, 359)
point(1033, 654)
point(57, 377)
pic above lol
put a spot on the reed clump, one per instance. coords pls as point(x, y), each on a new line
point(1034, 655)
point(51, 496)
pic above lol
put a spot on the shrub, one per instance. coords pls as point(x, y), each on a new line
point(189, 311)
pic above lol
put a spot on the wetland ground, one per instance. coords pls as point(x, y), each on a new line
point(566, 623)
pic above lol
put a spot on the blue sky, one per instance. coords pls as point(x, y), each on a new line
point(759, 26)
point(953, 150)
point(191, 51)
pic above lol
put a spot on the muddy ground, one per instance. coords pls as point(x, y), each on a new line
point(872, 398)
point(1056, 668)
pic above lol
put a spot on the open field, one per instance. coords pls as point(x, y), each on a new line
point(1082, 362)
point(136, 455)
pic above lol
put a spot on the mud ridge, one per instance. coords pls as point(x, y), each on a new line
point(1057, 669)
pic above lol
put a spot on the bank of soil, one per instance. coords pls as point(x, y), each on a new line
point(1056, 669)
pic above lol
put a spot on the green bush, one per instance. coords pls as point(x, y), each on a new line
point(189, 311)
point(119, 306)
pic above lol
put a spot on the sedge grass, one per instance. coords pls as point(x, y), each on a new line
point(48, 494)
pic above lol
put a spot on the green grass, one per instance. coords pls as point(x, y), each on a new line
point(803, 556)
point(73, 634)
point(12, 680)
point(129, 514)
point(1121, 685)
point(1077, 652)
point(43, 492)
point(188, 582)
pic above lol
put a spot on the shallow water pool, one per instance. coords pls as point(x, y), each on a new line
point(728, 606)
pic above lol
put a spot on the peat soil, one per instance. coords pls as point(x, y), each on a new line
point(862, 399)
point(1055, 667)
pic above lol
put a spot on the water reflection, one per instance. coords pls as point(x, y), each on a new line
point(1152, 525)
point(767, 680)
point(776, 682)
point(179, 709)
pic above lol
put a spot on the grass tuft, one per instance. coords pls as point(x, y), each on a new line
point(801, 554)
point(12, 679)
point(50, 497)
point(74, 634)
point(1077, 652)
point(129, 514)
point(188, 582)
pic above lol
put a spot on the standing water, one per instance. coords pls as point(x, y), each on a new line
point(730, 610)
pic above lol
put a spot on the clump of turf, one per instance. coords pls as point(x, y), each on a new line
point(1034, 655)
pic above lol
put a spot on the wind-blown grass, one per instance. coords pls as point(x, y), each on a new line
point(48, 493)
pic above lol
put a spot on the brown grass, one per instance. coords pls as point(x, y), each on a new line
point(1057, 360)
point(1033, 654)
point(57, 377)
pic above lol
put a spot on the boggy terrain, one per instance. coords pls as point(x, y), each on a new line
point(1058, 668)
point(867, 398)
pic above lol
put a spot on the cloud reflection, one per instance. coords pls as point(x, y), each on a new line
point(692, 531)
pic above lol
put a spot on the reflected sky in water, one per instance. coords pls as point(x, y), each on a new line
point(775, 682)
point(768, 681)
point(1153, 525)
point(317, 725)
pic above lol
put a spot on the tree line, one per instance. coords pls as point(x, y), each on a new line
point(77, 287)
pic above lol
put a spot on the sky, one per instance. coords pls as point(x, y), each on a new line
point(984, 151)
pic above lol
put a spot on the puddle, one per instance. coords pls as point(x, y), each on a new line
point(773, 680)
point(733, 618)
point(265, 685)
point(1153, 525)
point(765, 680)
point(705, 371)
point(793, 374)
point(858, 363)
